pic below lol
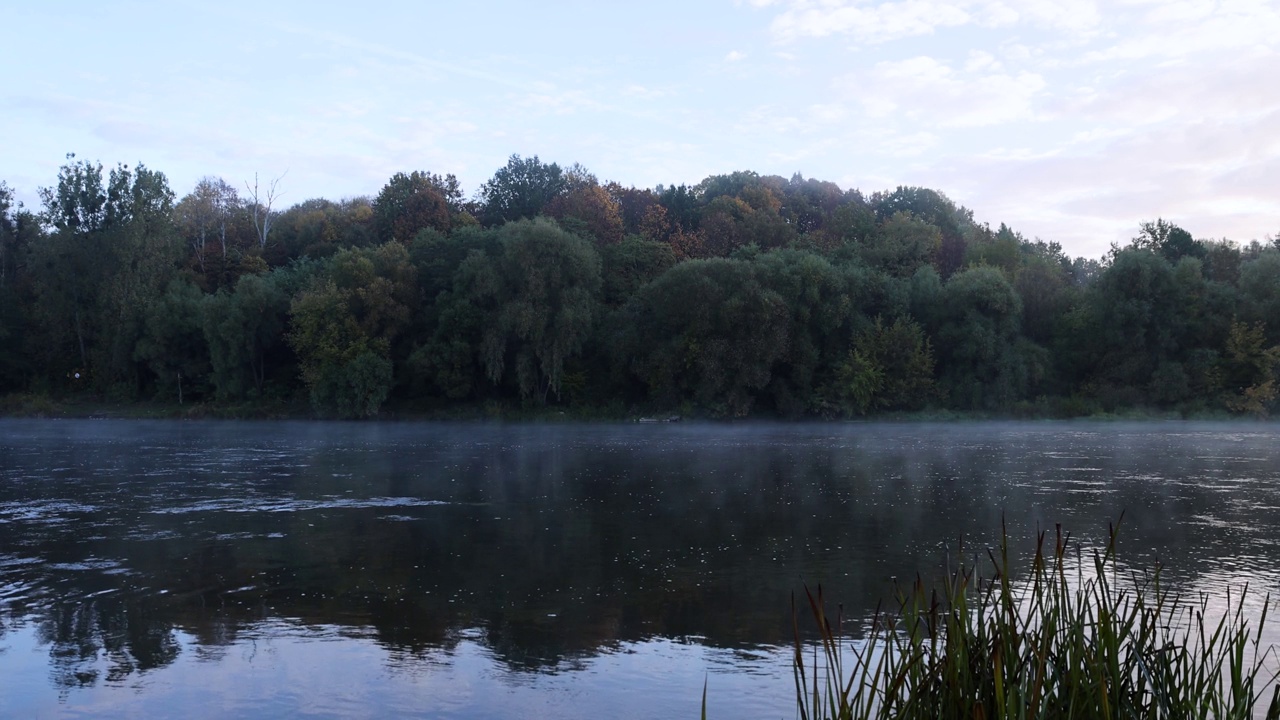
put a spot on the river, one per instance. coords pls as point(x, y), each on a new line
point(244, 569)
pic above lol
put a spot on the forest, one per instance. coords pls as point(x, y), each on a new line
point(548, 290)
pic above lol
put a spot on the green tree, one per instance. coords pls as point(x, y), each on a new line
point(19, 231)
point(1002, 249)
point(901, 245)
point(824, 308)
point(1260, 291)
point(851, 226)
point(953, 222)
point(244, 327)
point(706, 331)
point(1168, 240)
point(547, 286)
point(982, 363)
point(629, 265)
point(456, 276)
point(112, 249)
point(809, 204)
point(1135, 327)
point(173, 343)
point(521, 190)
point(344, 327)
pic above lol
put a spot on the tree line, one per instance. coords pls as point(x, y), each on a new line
point(741, 295)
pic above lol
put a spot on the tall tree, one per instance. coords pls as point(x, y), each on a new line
point(901, 244)
point(243, 326)
point(936, 209)
point(590, 207)
point(205, 217)
point(1167, 239)
point(981, 363)
point(111, 251)
point(707, 332)
point(521, 190)
point(19, 231)
point(345, 324)
point(261, 201)
point(546, 305)
point(408, 204)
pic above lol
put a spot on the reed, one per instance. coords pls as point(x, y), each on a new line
point(1067, 640)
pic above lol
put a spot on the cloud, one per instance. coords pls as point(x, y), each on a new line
point(879, 22)
point(1216, 178)
point(1071, 121)
point(735, 56)
point(642, 92)
point(868, 23)
point(1179, 30)
point(930, 92)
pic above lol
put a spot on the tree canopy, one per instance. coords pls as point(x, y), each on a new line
point(740, 294)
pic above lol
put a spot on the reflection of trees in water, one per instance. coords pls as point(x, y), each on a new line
point(104, 640)
point(559, 542)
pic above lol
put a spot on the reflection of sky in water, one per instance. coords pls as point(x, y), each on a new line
point(364, 570)
point(282, 670)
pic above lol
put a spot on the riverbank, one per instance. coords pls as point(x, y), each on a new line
point(31, 405)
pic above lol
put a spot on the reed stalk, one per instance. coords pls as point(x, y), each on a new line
point(1073, 638)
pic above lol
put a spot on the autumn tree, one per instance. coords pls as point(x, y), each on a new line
point(410, 203)
point(1250, 370)
point(889, 366)
point(318, 228)
point(591, 206)
point(633, 204)
point(204, 216)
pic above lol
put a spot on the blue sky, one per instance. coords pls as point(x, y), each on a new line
point(1069, 121)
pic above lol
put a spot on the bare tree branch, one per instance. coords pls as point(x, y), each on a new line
point(262, 214)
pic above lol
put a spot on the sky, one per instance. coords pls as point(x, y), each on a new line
point(1069, 121)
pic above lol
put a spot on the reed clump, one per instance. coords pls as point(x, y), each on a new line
point(1072, 638)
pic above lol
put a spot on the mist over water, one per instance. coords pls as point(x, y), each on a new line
point(470, 570)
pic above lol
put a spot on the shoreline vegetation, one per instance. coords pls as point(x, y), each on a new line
point(1073, 636)
point(550, 292)
point(27, 405)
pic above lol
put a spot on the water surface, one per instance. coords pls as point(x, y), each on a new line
point(471, 571)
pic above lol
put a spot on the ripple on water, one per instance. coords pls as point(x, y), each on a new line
point(251, 505)
point(101, 564)
point(42, 511)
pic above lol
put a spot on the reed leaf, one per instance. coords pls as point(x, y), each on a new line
point(1070, 639)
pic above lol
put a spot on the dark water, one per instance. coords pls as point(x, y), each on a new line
point(459, 571)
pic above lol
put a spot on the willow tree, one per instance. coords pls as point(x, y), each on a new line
point(545, 303)
point(709, 332)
